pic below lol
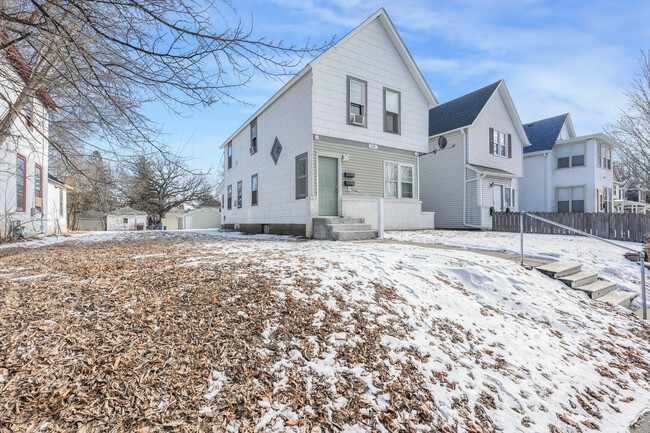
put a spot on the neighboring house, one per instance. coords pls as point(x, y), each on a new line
point(171, 218)
point(354, 119)
point(200, 218)
point(90, 220)
point(566, 173)
point(24, 155)
point(629, 196)
point(474, 160)
point(57, 199)
point(125, 219)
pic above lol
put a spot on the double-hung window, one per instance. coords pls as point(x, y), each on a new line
point(571, 199)
point(239, 192)
point(500, 143)
point(21, 183)
point(229, 155)
point(357, 102)
point(509, 197)
point(38, 187)
point(29, 114)
point(254, 190)
point(604, 156)
point(392, 106)
point(253, 136)
point(571, 155)
point(398, 180)
point(229, 196)
point(301, 176)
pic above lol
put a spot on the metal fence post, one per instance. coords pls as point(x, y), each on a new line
point(521, 232)
point(643, 297)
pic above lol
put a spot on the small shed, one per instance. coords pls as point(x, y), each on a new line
point(126, 219)
point(90, 220)
point(200, 218)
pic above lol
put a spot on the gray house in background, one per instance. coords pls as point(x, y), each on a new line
point(126, 219)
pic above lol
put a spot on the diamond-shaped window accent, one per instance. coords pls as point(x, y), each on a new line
point(276, 150)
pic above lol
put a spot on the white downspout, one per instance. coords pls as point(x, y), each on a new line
point(466, 181)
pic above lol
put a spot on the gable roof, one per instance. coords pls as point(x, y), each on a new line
point(461, 111)
point(404, 53)
point(543, 134)
point(126, 211)
point(21, 67)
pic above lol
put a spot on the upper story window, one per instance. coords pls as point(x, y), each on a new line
point(357, 102)
point(571, 155)
point(301, 176)
point(21, 183)
point(29, 114)
point(500, 143)
point(229, 155)
point(253, 148)
point(398, 180)
point(392, 106)
point(604, 156)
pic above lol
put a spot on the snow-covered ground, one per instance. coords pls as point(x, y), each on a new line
point(596, 256)
point(480, 343)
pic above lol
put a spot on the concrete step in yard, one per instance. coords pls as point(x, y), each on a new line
point(560, 269)
point(579, 279)
point(350, 227)
point(571, 274)
point(343, 229)
point(598, 288)
point(619, 298)
point(358, 235)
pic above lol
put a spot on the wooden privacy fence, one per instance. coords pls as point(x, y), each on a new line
point(617, 226)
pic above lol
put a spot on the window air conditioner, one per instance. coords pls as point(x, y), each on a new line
point(356, 119)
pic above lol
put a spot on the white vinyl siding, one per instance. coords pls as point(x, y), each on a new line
point(369, 56)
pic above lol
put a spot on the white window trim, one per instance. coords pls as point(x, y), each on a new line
point(570, 146)
point(399, 180)
point(497, 145)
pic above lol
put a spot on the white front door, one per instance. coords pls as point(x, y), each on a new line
point(498, 198)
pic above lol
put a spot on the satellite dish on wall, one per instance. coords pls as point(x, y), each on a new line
point(442, 142)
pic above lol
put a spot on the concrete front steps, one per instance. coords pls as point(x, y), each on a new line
point(342, 229)
point(571, 274)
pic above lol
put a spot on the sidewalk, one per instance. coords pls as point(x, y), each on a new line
point(529, 262)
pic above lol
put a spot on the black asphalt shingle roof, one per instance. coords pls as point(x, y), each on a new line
point(543, 134)
point(459, 112)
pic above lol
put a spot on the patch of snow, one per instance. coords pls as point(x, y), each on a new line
point(217, 382)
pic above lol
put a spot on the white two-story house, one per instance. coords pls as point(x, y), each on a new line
point(344, 132)
point(474, 160)
point(24, 155)
point(566, 173)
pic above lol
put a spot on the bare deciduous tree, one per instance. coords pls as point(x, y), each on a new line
point(103, 62)
point(632, 129)
point(157, 185)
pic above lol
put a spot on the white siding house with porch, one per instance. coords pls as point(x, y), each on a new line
point(343, 133)
point(474, 160)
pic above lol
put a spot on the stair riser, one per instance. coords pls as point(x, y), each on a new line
point(558, 275)
point(595, 294)
point(349, 227)
point(354, 236)
point(339, 220)
point(575, 284)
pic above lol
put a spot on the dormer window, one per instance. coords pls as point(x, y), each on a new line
point(357, 102)
point(253, 148)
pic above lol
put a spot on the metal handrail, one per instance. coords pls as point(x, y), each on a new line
point(641, 253)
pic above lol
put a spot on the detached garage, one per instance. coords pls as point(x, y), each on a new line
point(201, 218)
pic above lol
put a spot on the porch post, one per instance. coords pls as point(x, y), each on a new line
point(521, 235)
point(380, 217)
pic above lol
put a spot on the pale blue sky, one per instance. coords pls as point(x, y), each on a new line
point(555, 56)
